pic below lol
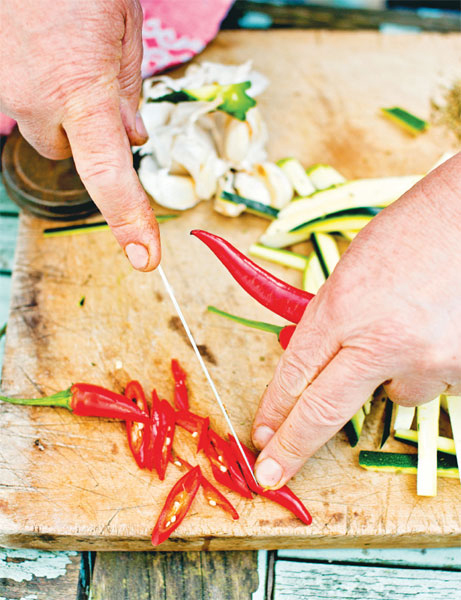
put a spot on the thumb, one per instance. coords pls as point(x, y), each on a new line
point(104, 162)
point(324, 407)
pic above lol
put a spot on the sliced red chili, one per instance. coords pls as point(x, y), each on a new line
point(181, 395)
point(179, 462)
point(224, 472)
point(226, 455)
point(203, 438)
point(138, 433)
point(190, 422)
point(282, 298)
point(284, 496)
point(164, 440)
point(215, 498)
point(176, 505)
point(154, 426)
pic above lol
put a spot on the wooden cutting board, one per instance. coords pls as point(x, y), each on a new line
point(69, 482)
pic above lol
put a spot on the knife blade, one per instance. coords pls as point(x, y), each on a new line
point(182, 318)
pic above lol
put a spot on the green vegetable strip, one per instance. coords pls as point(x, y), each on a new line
point(280, 257)
point(3, 331)
point(395, 462)
point(428, 431)
point(410, 436)
point(454, 411)
point(248, 322)
point(387, 421)
point(257, 208)
point(90, 227)
point(407, 120)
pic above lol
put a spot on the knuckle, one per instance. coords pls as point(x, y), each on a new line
point(290, 377)
point(288, 448)
point(316, 411)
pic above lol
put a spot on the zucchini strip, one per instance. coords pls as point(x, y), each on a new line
point(324, 176)
point(279, 256)
point(252, 206)
point(410, 436)
point(454, 411)
point(395, 462)
point(298, 177)
point(313, 275)
point(90, 227)
point(404, 416)
point(387, 421)
point(354, 427)
point(405, 119)
point(428, 431)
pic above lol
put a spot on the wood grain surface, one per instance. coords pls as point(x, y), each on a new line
point(69, 482)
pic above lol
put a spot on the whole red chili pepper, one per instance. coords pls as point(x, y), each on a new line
point(138, 433)
point(283, 496)
point(176, 505)
point(285, 335)
point(181, 395)
point(282, 298)
point(164, 439)
point(88, 400)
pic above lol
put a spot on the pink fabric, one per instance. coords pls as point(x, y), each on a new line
point(173, 32)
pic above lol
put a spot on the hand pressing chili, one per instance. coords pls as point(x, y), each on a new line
point(282, 298)
point(88, 400)
point(138, 434)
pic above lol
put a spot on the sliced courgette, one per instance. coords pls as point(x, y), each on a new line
point(349, 235)
point(405, 119)
point(404, 416)
point(327, 251)
point(410, 436)
point(454, 411)
point(395, 462)
point(427, 416)
point(324, 176)
point(387, 421)
point(298, 177)
point(280, 257)
point(354, 427)
point(252, 206)
point(313, 275)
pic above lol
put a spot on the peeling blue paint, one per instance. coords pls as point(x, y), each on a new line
point(24, 565)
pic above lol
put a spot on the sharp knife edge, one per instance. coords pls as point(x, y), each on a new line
point(172, 296)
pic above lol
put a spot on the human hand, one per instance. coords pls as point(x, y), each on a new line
point(390, 313)
point(71, 77)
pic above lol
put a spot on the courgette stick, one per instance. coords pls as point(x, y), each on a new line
point(387, 421)
point(367, 406)
point(410, 436)
point(252, 206)
point(395, 462)
point(428, 430)
point(454, 411)
point(404, 416)
point(298, 177)
point(324, 176)
point(350, 235)
point(405, 119)
point(313, 275)
point(279, 256)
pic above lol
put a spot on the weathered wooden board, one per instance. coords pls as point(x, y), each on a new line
point(68, 482)
point(195, 575)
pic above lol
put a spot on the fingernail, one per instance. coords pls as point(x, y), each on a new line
point(140, 127)
point(262, 436)
point(268, 473)
point(137, 255)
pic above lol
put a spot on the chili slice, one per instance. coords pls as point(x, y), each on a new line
point(164, 440)
point(176, 505)
point(202, 441)
point(282, 298)
point(226, 456)
point(181, 395)
point(215, 498)
point(284, 496)
point(88, 400)
point(190, 421)
point(154, 426)
point(138, 433)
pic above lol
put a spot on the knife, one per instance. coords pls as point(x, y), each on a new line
point(181, 316)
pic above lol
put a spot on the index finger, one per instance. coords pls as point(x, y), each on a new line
point(104, 162)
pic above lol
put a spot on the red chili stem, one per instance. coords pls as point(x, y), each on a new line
point(285, 300)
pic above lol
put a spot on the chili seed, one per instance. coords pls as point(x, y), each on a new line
point(195, 434)
point(212, 502)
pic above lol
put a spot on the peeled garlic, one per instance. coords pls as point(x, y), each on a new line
point(172, 191)
point(280, 188)
point(252, 186)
